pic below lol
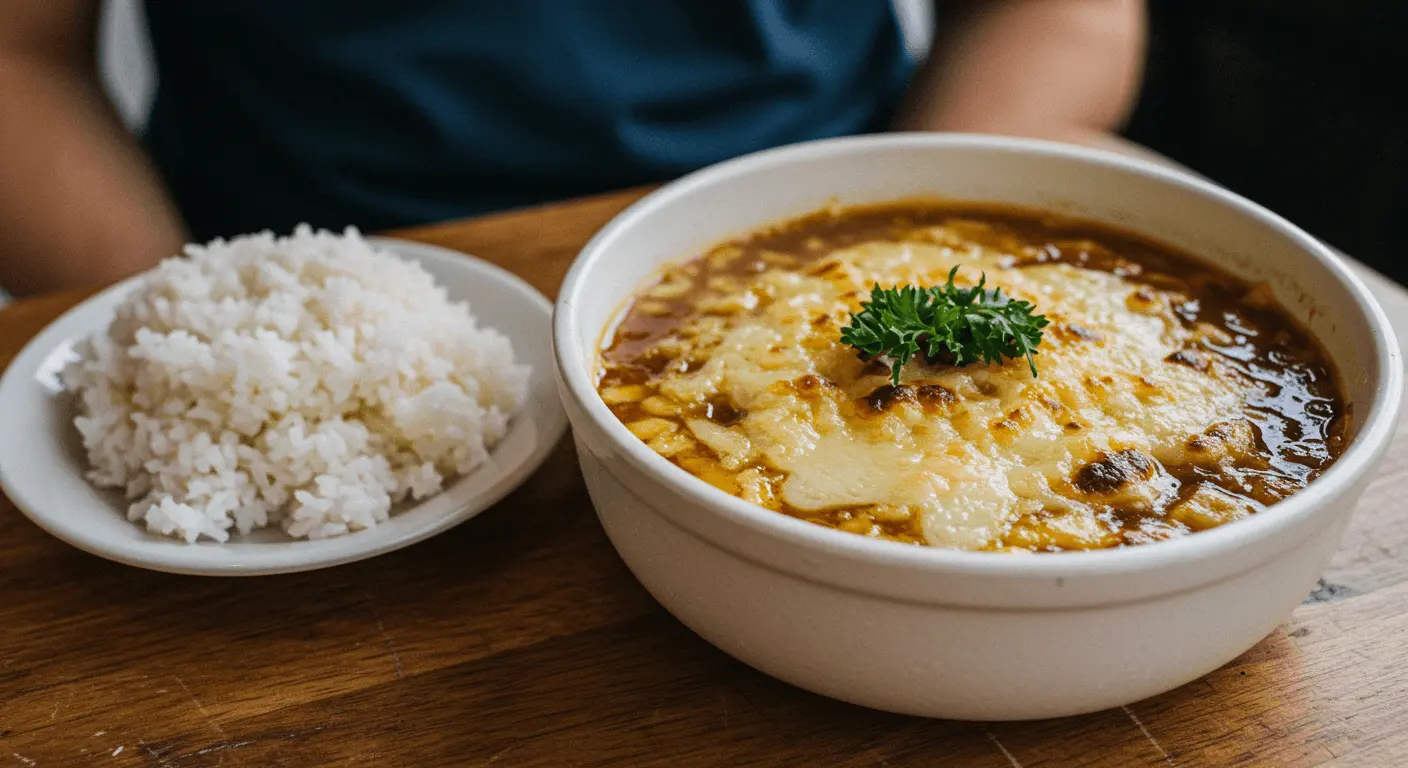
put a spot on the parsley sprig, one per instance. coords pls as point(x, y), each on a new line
point(946, 323)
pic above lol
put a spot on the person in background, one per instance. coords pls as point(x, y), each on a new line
point(387, 113)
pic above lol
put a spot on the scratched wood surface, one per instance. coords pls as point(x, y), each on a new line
point(519, 639)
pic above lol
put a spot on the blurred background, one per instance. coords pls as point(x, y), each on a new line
point(1297, 104)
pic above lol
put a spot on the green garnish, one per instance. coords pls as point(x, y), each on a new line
point(947, 323)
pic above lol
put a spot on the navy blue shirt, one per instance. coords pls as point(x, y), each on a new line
point(382, 113)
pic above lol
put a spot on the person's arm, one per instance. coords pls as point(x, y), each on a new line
point(80, 204)
point(1066, 70)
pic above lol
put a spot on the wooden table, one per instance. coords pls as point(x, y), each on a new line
point(519, 638)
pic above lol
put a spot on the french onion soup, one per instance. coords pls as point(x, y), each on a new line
point(974, 377)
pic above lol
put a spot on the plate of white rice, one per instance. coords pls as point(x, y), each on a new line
point(270, 404)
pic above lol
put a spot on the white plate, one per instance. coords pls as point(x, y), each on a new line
point(42, 461)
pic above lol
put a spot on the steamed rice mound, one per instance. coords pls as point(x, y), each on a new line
point(309, 382)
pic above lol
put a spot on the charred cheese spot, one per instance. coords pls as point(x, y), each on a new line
point(723, 412)
point(935, 396)
point(887, 396)
point(1112, 472)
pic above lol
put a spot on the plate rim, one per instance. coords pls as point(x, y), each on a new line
point(551, 425)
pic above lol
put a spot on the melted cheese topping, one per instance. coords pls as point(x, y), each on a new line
point(1007, 445)
point(1137, 414)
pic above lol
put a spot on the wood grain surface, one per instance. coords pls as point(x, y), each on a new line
point(519, 639)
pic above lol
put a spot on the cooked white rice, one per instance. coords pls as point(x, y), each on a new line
point(309, 381)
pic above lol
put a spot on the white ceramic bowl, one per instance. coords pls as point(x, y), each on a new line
point(964, 634)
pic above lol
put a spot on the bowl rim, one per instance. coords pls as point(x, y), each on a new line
point(1316, 500)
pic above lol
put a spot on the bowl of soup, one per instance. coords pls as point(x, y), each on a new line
point(1131, 422)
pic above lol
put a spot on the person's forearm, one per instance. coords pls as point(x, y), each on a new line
point(80, 205)
point(1066, 70)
